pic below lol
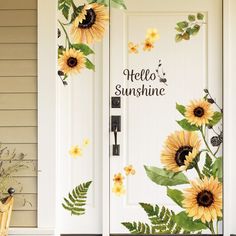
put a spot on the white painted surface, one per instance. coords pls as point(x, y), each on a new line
point(190, 66)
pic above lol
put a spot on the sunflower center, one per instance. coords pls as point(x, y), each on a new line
point(205, 198)
point(181, 154)
point(72, 62)
point(89, 20)
point(199, 111)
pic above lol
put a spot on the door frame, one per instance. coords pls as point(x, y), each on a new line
point(229, 86)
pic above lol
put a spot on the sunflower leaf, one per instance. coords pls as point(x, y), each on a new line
point(187, 126)
point(85, 49)
point(207, 168)
point(188, 223)
point(89, 65)
point(175, 195)
point(181, 109)
point(164, 177)
point(200, 16)
point(215, 118)
point(64, 6)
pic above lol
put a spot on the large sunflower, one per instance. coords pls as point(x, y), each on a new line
point(71, 61)
point(89, 26)
point(204, 199)
point(199, 112)
point(180, 150)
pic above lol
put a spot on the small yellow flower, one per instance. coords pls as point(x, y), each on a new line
point(129, 170)
point(75, 151)
point(152, 35)
point(118, 189)
point(86, 142)
point(148, 45)
point(118, 178)
point(133, 48)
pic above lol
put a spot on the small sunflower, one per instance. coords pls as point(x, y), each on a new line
point(118, 189)
point(118, 178)
point(129, 170)
point(148, 45)
point(180, 150)
point(71, 61)
point(199, 112)
point(204, 199)
point(152, 35)
point(133, 48)
point(89, 26)
point(75, 151)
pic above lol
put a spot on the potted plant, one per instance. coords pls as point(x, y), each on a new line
point(10, 163)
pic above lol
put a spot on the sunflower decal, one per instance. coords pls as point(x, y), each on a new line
point(83, 24)
point(191, 172)
point(71, 61)
point(199, 112)
point(180, 150)
point(89, 26)
point(204, 199)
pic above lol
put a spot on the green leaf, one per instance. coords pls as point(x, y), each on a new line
point(60, 51)
point(77, 199)
point(217, 168)
point(186, 36)
point(175, 195)
point(195, 29)
point(200, 16)
point(183, 24)
point(83, 48)
point(188, 223)
point(64, 6)
point(137, 227)
point(191, 18)
point(181, 109)
point(75, 13)
point(178, 38)
point(187, 126)
point(207, 168)
point(216, 118)
point(89, 65)
point(164, 177)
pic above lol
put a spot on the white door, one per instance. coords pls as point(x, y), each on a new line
point(163, 53)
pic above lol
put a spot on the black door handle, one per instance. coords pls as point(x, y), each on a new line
point(115, 127)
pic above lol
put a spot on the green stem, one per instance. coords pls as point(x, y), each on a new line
point(198, 171)
point(217, 150)
point(217, 227)
point(67, 37)
point(204, 139)
point(211, 228)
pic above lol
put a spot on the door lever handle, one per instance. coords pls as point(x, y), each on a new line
point(115, 127)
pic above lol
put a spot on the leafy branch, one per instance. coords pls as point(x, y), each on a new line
point(191, 27)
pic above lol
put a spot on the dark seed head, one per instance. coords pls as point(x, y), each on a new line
point(60, 73)
point(205, 198)
point(210, 100)
point(198, 112)
point(181, 154)
point(58, 33)
point(89, 20)
point(215, 141)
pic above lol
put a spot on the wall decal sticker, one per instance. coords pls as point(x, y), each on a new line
point(133, 48)
point(77, 150)
point(76, 201)
point(83, 25)
point(118, 180)
point(146, 76)
point(188, 28)
point(194, 150)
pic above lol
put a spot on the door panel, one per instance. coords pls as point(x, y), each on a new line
point(149, 117)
